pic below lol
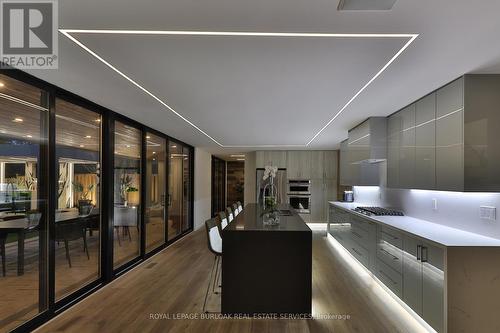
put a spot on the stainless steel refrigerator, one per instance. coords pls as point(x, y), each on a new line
point(279, 182)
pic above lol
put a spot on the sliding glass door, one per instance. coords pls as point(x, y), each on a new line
point(23, 214)
point(156, 187)
point(179, 183)
point(77, 217)
point(127, 198)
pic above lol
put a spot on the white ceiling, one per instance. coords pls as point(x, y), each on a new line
point(253, 91)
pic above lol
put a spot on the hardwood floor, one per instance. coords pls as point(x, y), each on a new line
point(173, 283)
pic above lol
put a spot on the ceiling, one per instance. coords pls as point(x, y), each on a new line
point(253, 90)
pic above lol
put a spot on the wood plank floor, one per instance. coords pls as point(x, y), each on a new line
point(174, 283)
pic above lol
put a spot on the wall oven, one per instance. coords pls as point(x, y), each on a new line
point(299, 186)
point(300, 202)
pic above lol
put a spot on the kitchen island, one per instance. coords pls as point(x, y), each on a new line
point(266, 269)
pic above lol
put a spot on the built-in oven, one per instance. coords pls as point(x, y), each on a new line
point(300, 202)
point(299, 186)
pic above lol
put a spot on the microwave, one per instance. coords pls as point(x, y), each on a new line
point(299, 186)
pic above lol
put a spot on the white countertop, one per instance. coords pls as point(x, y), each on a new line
point(434, 232)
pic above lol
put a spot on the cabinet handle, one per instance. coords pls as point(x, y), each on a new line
point(424, 258)
point(388, 277)
point(388, 234)
point(419, 249)
point(390, 254)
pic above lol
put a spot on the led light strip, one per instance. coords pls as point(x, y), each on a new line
point(68, 32)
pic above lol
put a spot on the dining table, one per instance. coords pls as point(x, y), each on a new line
point(21, 225)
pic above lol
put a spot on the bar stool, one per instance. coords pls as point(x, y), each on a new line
point(223, 220)
point(230, 215)
point(215, 246)
point(235, 209)
point(240, 207)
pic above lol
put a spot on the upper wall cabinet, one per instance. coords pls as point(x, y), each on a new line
point(269, 157)
point(298, 164)
point(456, 138)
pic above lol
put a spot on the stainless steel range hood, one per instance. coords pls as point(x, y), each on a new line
point(367, 142)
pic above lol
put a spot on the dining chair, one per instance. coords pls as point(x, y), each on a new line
point(71, 231)
point(240, 207)
point(235, 209)
point(229, 213)
point(223, 220)
point(214, 240)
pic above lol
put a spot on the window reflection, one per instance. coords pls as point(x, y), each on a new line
point(155, 191)
point(23, 241)
point(179, 190)
point(127, 183)
point(77, 218)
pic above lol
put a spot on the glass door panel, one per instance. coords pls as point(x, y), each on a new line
point(186, 189)
point(23, 240)
point(175, 193)
point(155, 191)
point(127, 198)
point(77, 217)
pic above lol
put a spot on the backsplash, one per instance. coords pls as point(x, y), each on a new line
point(454, 209)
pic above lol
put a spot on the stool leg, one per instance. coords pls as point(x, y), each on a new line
point(208, 286)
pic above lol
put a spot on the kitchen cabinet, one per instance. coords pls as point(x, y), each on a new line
point(423, 265)
point(449, 137)
point(393, 143)
point(330, 164)
point(455, 138)
point(344, 174)
point(318, 201)
point(299, 164)
point(269, 157)
point(368, 141)
point(317, 164)
point(407, 148)
point(425, 143)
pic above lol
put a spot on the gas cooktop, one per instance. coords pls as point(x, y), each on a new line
point(378, 211)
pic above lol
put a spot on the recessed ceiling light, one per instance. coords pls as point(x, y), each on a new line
point(148, 137)
point(237, 155)
point(88, 137)
point(81, 146)
point(174, 146)
point(98, 120)
point(116, 152)
point(154, 159)
point(68, 32)
point(240, 159)
point(18, 120)
point(128, 146)
point(2, 84)
point(154, 152)
point(29, 136)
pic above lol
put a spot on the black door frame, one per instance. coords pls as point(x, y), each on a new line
point(48, 189)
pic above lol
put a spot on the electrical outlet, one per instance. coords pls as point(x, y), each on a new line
point(434, 204)
point(488, 213)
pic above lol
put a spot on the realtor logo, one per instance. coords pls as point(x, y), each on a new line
point(28, 39)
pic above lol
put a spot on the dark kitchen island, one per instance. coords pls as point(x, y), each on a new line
point(266, 269)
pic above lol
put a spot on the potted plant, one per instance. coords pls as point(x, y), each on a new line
point(84, 192)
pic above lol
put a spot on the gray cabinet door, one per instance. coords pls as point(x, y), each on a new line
point(425, 139)
point(330, 162)
point(412, 274)
point(317, 201)
point(407, 148)
point(345, 178)
point(305, 164)
point(278, 158)
point(449, 137)
point(330, 189)
point(293, 165)
point(433, 285)
point(317, 164)
point(393, 145)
